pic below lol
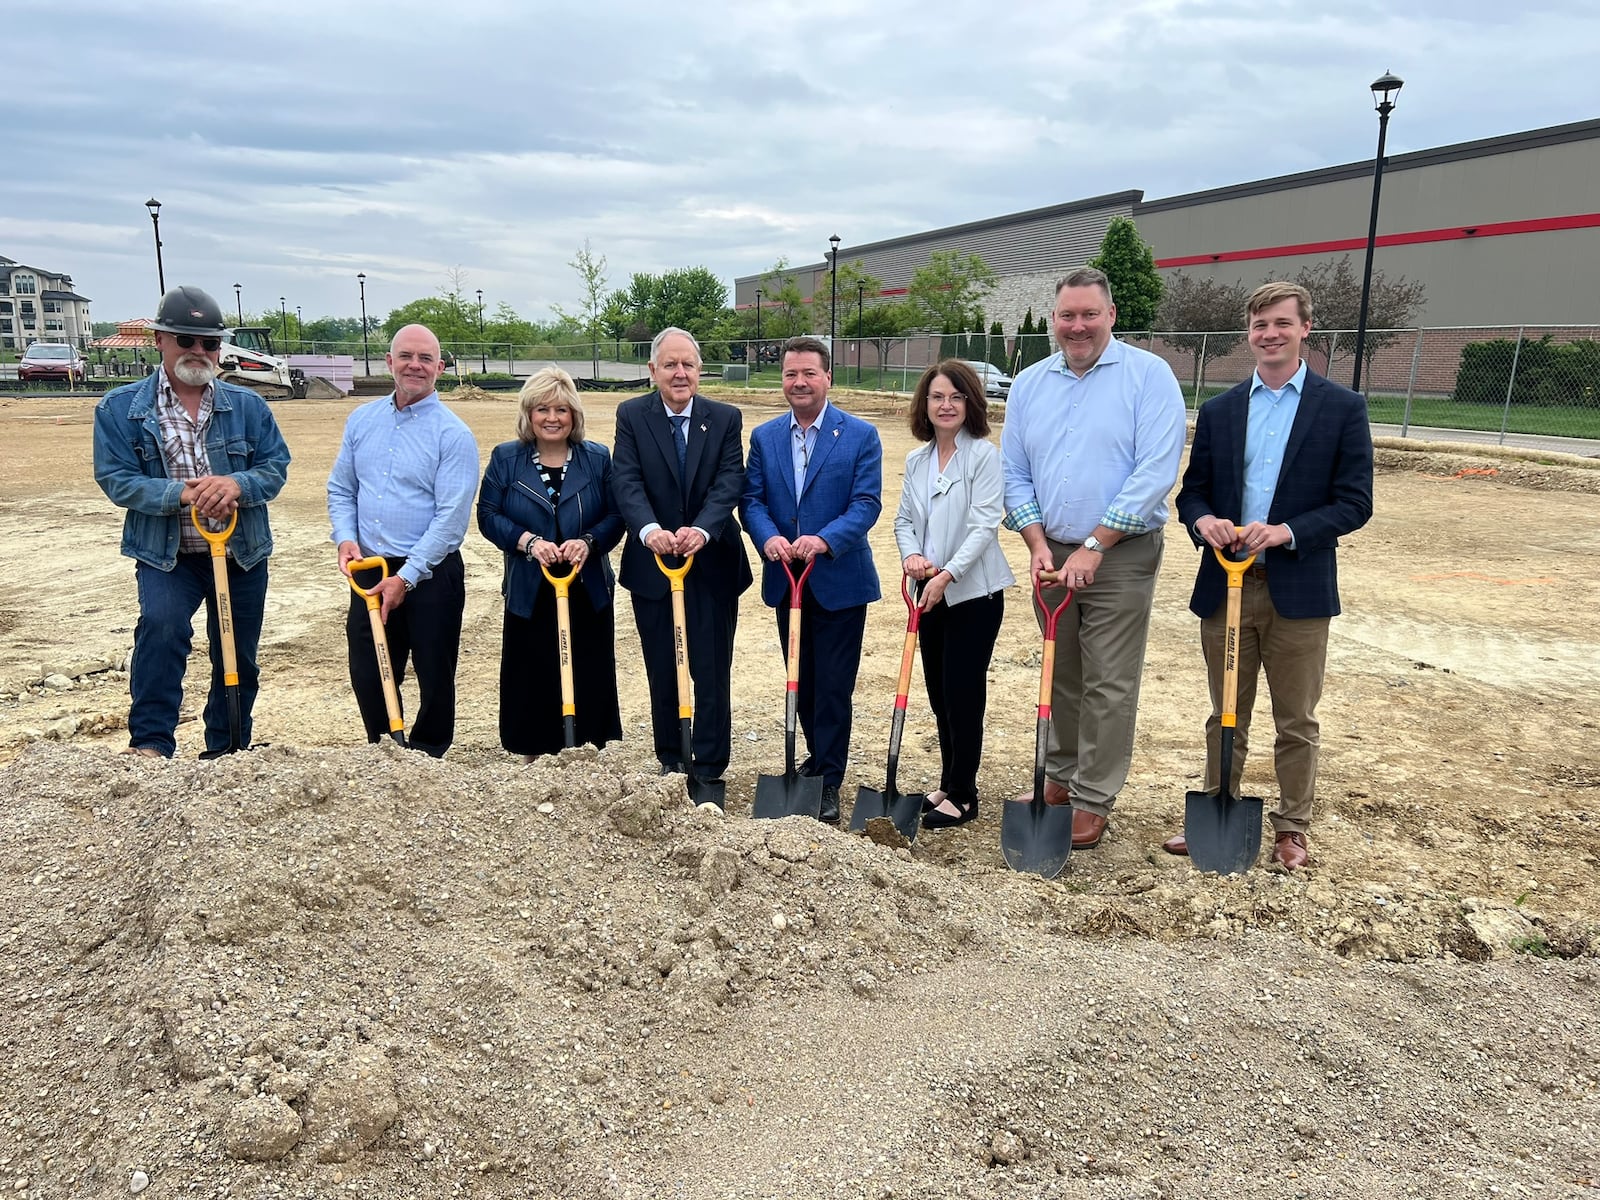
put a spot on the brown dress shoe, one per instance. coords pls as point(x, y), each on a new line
point(1290, 850)
point(1176, 845)
point(1054, 793)
point(142, 752)
point(1087, 829)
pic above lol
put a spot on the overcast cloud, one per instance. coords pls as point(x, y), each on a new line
point(294, 143)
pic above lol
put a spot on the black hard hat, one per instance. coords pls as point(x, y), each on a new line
point(189, 310)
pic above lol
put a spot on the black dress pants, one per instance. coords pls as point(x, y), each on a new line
point(957, 643)
point(425, 631)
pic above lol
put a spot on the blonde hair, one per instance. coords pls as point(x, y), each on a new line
point(1275, 292)
point(549, 386)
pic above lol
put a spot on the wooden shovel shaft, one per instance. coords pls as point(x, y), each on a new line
point(380, 640)
point(1230, 664)
point(569, 708)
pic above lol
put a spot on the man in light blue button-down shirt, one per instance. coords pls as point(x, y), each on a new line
point(402, 487)
point(1090, 449)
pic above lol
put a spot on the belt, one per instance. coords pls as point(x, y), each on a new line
point(1256, 571)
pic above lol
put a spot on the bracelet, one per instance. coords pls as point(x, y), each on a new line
point(532, 542)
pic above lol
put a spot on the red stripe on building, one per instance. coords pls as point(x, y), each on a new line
point(1456, 233)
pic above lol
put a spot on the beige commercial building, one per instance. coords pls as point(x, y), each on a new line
point(1501, 231)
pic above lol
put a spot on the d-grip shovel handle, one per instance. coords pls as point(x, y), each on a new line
point(219, 539)
point(1230, 655)
point(1051, 617)
point(376, 563)
point(680, 627)
point(380, 641)
point(569, 702)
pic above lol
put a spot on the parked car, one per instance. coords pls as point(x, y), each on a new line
point(52, 360)
point(995, 381)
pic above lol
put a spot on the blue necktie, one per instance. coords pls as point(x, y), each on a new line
point(680, 435)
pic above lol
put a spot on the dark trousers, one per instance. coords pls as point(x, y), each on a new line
point(957, 643)
point(711, 618)
point(830, 655)
point(426, 630)
point(162, 639)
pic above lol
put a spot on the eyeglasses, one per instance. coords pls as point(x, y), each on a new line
point(186, 342)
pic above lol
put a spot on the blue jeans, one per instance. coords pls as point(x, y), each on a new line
point(164, 636)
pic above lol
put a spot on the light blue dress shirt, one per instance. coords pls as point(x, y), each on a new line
point(802, 444)
point(1098, 450)
point(403, 483)
point(1266, 436)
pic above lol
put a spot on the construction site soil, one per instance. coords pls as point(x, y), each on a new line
point(329, 969)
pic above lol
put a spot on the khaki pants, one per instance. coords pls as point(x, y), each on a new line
point(1294, 654)
point(1100, 644)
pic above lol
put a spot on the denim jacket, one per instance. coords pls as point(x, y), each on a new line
point(242, 442)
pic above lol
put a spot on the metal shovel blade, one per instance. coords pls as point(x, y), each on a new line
point(792, 795)
point(1224, 832)
point(904, 809)
point(1036, 837)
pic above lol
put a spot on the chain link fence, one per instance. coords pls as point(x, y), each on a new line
point(1495, 380)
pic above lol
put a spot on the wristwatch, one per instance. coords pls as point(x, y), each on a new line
point(1093, 543)
point(407, 584)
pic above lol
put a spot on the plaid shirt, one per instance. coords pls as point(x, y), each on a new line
point(183, 449)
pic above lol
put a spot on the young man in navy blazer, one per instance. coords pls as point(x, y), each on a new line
point(683, 505)
point(813, 489)
point(1286, 457)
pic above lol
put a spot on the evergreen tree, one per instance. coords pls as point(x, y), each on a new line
point(1128, 263)
point(997, 347)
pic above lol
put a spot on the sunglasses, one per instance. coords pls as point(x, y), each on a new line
point(186, 342)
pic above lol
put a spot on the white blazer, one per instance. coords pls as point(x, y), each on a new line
point(964, 519)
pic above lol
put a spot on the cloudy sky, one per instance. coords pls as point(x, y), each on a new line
point(294, 143)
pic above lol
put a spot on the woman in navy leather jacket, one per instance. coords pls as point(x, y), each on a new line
point(546, 499)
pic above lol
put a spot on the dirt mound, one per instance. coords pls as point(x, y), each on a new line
point(363, 968)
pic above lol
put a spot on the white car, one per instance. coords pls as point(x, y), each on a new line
point(995, 381)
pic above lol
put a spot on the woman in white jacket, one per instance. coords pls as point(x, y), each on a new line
point(951, 502)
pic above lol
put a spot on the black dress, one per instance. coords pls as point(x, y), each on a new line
point(530, 666)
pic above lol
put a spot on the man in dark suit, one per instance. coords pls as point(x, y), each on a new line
point(1281, 467)
point(813, 490)
point(677, 474)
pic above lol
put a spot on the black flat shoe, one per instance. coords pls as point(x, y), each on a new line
point(932, 800)
point(943, 820)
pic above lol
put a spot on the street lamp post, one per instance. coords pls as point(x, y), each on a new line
point(483, 350)
point(758, 329)
point(366, 354)
point(861, 299)
point(238, 302)
point(283, 311)
point(154, 206)
point(299, 329)
point(1384, 88)
point(833, 301)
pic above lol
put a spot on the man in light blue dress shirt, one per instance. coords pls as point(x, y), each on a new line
point(402, 487)
point(1090, 449)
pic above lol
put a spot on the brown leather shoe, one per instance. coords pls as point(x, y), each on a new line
point(1177, 845)
point(142, 752)
point(1087, 829)
point(1290, 849)
point(1054, 793)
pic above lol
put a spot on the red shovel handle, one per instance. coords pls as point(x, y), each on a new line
point(912, 597)
point(796, 582)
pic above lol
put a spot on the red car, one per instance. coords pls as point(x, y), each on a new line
point(51, 360)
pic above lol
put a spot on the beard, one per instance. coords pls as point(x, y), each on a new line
point(195, 372)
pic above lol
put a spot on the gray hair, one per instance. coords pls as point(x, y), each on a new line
point(669, 331)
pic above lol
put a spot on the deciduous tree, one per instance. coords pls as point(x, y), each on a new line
point(947, 291)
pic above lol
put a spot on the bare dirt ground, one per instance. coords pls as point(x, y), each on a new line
point(323, 969)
